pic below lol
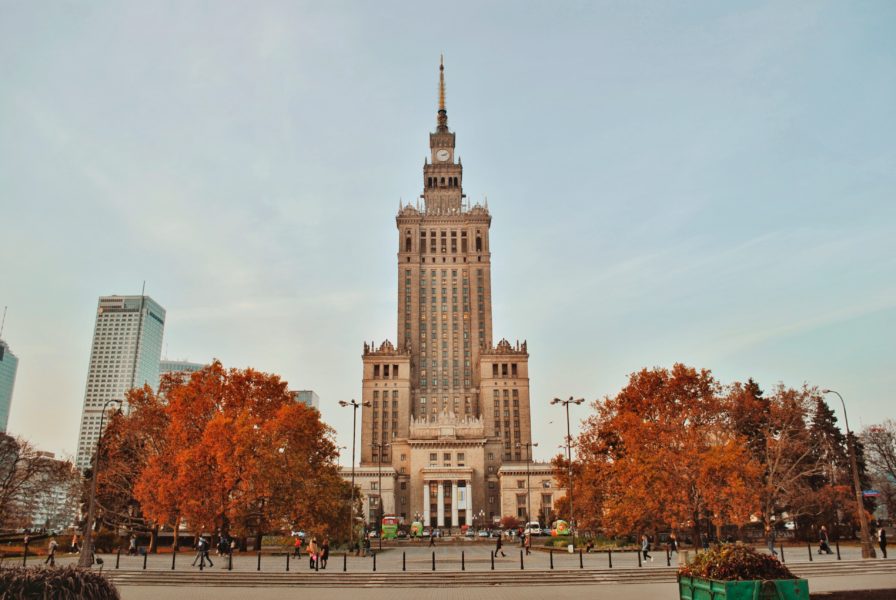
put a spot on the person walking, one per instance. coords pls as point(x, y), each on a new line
point(132, 546)
point(324, 553)
point(823, 541)
point(645, 547)
point(882, 541)
point(51, 552)
point(432, 538)
point(297, 547)
point(673, 543)
point(202, 548)
point(499, 546)
point(528, 544)
point(312, 550)
point(74, 548)
point(770, 540)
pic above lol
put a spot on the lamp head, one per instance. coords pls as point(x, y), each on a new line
point(366, 403)
point(579, 400)
point(826, 391)
point(535, 445)
point(343, 403)
point(556, 401)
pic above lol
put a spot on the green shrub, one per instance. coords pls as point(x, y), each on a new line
point(735, 562)
point(60, 584)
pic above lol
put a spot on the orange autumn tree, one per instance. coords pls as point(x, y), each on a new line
point(242, 457)
point(662, 455)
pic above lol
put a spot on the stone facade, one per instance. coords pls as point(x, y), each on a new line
point(445, 407)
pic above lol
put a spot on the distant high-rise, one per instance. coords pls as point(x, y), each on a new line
point(127, 345)
point(184, 367)
point(307, 397)
point(8, 365)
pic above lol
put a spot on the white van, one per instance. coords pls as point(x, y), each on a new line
point(533, 528)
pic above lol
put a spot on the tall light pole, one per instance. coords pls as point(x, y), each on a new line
point(86, 557)
point(867, 548)
point(566, 403)
point(355, 405)
point(528, 446)
point(379, 487)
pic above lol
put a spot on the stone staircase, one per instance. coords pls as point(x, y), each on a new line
point(454, 578)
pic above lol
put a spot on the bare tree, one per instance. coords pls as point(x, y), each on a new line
point(35, 488)
point(879, 442)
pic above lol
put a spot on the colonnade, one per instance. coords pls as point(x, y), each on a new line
point(455, 502)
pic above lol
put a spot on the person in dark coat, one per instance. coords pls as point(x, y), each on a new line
point(882, 541)
point(499, 546)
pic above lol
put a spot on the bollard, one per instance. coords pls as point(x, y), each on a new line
point(552, 558)
point(837, 542)
point(317, 562)
point(344, 562)
point(668, 558)
point(433, 560)
point(463, 563)
point(374, 562)
point(173, 557)
point(782, 552)
point(639, 558)
point(521, 560)
point(403, 563)
point(287, 561)
point(581, 563)
point(230, 562)
point(259, 560)
point(809, 548)
point(118, 557)
point(145, 556)
point(493, 560)
point(610, 557)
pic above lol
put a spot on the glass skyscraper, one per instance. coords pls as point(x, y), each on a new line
point(8, 365)
point(127, 345)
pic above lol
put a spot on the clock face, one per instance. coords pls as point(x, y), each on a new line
point(443, 155)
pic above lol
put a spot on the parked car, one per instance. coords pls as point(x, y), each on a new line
point(469, 533)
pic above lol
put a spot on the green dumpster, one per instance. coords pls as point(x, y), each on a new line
point(695, 588)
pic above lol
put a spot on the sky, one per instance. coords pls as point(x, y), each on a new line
point(710, 183)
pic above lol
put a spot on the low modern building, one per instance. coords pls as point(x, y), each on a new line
point(9, 363)
point(183, 367)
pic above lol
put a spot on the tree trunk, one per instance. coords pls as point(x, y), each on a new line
point(175, 543)
point(154, 540)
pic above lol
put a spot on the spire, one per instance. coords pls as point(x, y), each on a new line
point(443, 114)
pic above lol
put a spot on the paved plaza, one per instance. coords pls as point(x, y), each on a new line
point(645, 591)
point(418, 556)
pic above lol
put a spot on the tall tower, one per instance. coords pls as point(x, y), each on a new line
point(451, 406)
point(9, 363)
point(127, 345)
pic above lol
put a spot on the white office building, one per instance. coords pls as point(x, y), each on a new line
point(127, 345)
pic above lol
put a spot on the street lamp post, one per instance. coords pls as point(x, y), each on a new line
point(566, 403)
point(379, 487)
point(528, 446)
point(86, 557)
point(355, 405)
point(867, 548)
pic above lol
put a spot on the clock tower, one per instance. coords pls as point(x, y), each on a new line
point(445, 407)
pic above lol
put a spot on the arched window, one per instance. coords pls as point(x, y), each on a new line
point(478, 244)
point(407, 244)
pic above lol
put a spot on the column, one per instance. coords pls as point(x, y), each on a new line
point(440, 505)
point(425, 511)
point(455, 518)
point(469, 506)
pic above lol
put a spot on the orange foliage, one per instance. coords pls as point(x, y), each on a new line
point(661, 454)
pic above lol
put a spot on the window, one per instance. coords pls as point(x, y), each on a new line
point(373, 485)
point(546, 483)
point(433, 457)
point(520, 483)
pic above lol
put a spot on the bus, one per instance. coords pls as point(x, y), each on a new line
point(390, 526)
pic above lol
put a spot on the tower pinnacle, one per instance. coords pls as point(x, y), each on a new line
point(443, 114)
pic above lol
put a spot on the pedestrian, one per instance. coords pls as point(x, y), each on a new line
point(202, 548)
point(74, 545)
point(645, 547)
point(499, 547)
point(528, 544)
point(823, 540)
point(51, 552)
point(297, 547)
point(366, 545)
point(673, 543)
point(882, 540)
point(770, 540)
point(132, 546)
point(432, 538)
point(311, 549)
point(324, 553)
